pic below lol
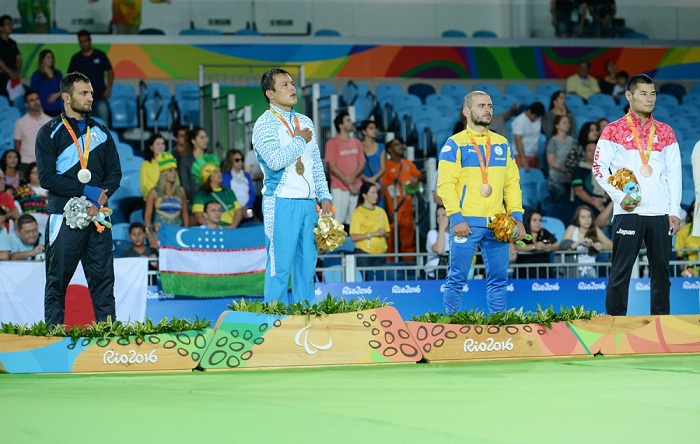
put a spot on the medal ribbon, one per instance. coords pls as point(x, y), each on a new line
point(487, 149)
point(83, 154)
point(638, 140)
point(289, 128)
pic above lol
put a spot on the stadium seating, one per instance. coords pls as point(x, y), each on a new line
point(422, 90)
point(675, 89)
point(327, 33)
point(455, 90)
point(123, 105)
point(529, 183)
point(444, 103)
point(667, 100)
point(555, 226)
point(156, 100)
point(361, 97)
point(518, 89)
point(8, 117)
point(186, 97)
point(547, 89)
point(454, 33)
point(488, 88)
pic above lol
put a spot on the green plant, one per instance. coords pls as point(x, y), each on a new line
point(326, 306)
point(106, 329)
point(512, 316)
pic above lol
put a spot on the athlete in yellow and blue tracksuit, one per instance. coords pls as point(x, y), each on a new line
point(459, 183)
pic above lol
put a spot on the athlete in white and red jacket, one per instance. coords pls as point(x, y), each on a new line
point(649, 148)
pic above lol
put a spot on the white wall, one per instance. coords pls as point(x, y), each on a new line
point(401, 19)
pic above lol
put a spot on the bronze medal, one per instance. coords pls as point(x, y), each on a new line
point(486, 190)
point(646, 170)
point(299, 167)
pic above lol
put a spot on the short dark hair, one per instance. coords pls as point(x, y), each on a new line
point(339, 119)
point(29, 93)
point(267, 83)
point(84, 33)
point(636, 80)
point(24, 220)
point(68, 82)
point(137, 225)
point(28, 171)
point(366, 123)
point(537, 108)
point(206, 205)
point(4, 18)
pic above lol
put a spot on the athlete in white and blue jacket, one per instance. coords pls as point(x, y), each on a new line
point(288, 153)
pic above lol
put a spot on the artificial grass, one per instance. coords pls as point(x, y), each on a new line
point(641, 399)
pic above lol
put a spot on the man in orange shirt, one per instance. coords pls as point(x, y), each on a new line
point(399, 181)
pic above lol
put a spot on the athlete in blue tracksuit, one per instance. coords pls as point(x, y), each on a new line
point(476, 175)
point(288, 153)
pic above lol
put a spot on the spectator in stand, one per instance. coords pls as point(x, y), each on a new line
point(46, 81)
point(607, 83)
point(375, 155)
point(557, 107)
point(251, 165)
point(527, 128)
point(197, 145)
point(685, 240)
point(558, 148)
point(369, 230)
point(126, 15)
point(589, 131)
point(238, 181)
point(8, 207)
point(621, 86)
point(180, 149)
point(10, 165)
point(582, 83)
point(10, 58)
point(212, 215)
point(32, 197)
point(206, 171)
point(346, 161)
point(400, 180)
point(150, 170)
point(437, 244)
point(537, 250)
point(568, 17)
point(587, 240)
point(4, 237)
point(601, 124)
point(137, 234)
point(27, 243)
point(27, 127)
point(97, 67)
point(587, 191)
point(602, 15)
point(166, 203)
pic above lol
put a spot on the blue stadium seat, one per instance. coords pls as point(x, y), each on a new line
point(675, 89)
point(518, 89)
point(425, 118)
point(667, 100)
point(483, 33)
point(360, 96)
point(386, 92)
point(8, 117)
point(455, 90)
point(529, 184)
point(554, 226)
point(574, 100)
point(247, 31)
point(136, 216)
point(422, 90)
point(327, 33)
point(204, 32)
point(186, 98)
point(157, 105)
point(692, 98)
point(602, 100)
point(548, 88)
point(120, 231)
point(454, 33)
point(489, 88)
point(444, 103)
point(502, 102)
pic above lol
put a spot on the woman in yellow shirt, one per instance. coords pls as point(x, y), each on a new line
point(150, 171)
point(369, 229)
point(686, 241)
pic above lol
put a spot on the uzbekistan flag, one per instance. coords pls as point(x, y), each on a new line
point(204, 262)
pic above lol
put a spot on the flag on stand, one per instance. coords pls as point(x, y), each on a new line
point(203, 262)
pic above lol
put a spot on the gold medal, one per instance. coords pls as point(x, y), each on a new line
point(299, 167)
point(646, 170)
point(486, 190)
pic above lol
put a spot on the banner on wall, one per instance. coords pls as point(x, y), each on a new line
point(22, 286)
point(414, 298)
point(201, 262)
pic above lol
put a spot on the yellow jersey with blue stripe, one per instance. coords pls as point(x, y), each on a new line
point(459, 179)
